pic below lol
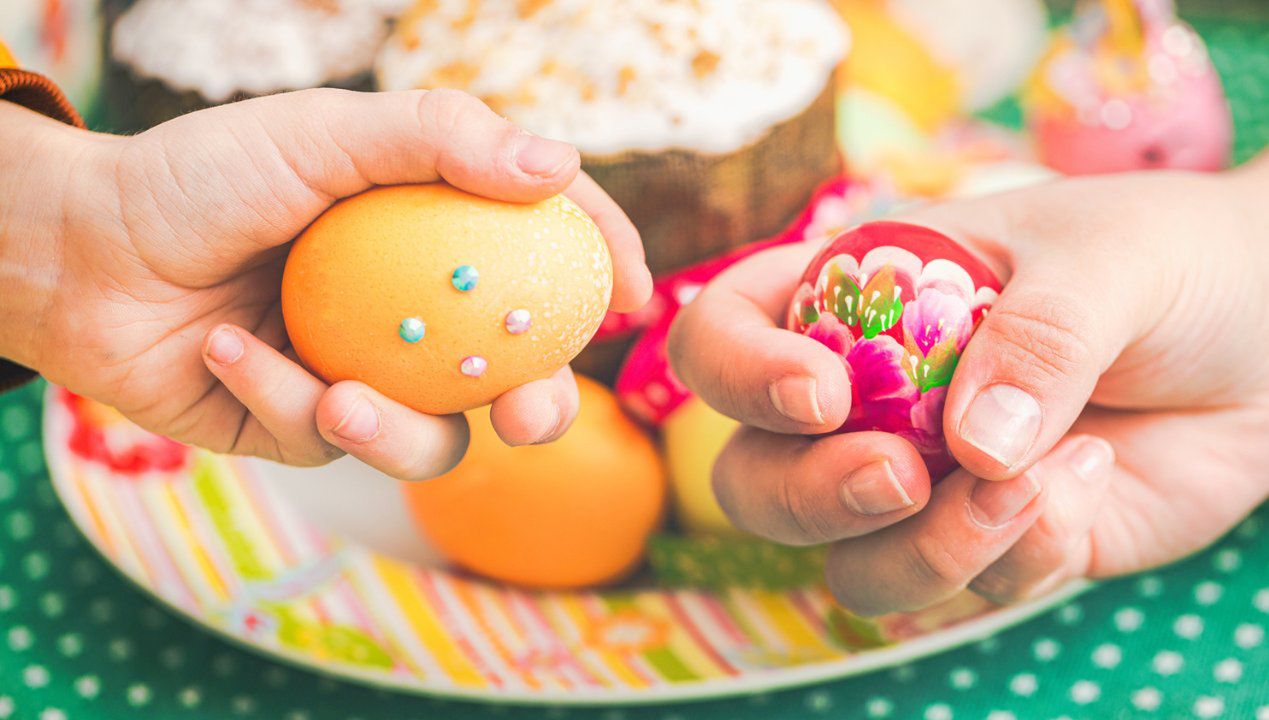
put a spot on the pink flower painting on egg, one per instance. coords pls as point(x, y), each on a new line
point(898, 303)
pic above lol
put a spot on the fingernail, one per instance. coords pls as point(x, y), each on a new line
point(1003, 422)
point(225, 347)
point(874, 490)
point(360, 423)
point(540, 156)
point(795, 398)
point(1091, 458)
point(993, 504)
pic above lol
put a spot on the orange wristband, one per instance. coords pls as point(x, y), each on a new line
point(38, 93)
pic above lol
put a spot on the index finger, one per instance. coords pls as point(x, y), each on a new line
point(728, 347)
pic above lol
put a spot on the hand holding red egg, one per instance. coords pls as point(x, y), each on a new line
point(898, 303)
point(1085, 412)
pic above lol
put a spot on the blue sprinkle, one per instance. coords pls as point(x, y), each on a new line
point(412, 330)
point(465, 277)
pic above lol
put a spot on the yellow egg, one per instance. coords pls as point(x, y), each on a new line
point(443, 300)
point(694, 435)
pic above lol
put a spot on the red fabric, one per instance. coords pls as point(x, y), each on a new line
point(647, 385)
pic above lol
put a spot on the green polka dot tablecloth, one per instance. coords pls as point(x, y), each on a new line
point(77, 642)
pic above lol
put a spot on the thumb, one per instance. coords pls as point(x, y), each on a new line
point(252, 175)
point(342, 142)
point(1033, 364)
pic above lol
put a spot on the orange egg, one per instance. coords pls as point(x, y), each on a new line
point(443, 300)
point(568, 514)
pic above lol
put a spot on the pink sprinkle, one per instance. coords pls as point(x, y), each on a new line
point(519, 321)
point(473, 366)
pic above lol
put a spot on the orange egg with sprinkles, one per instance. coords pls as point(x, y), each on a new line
point(443, 300)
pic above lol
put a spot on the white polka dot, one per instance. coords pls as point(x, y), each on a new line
point(63, 532)
point(21, 527)
point(1128, 619)
point(120, 649)
point(988, 645)
point(903, 673)
point(1085, 692)
point(1208, 706)
point(1150, 586)
point(1046, 649)
point(1024, 684)
point(1108, 656)
point(153, 618)
point(36, 565)
point(190, 697)
point(1167, 662)
point(1262, 712)
point(31, 458)
point(52, 714)
point(938, 711)
point(243, 705)
point(879, 707)
point(223, 665)
point(1147, 698)
point(301, 715)
point(1261, 600)
point(1248, 635)
point(1070, 614)
point(8, 598)
point(52, 605)
point(963, 678)
point(35, 676)
point(85, 571)
point(70, 645)
point(6, 707)
point(1188, 626)
point(608, 715)
point(1228, 560)
point(88, 686)
point(8, 486)
point(1228, 670)
point(1208, 592)
point(1001, 715)
point(819, 701)
point(101, 610)
point(172, 657)
point(275, 677)
point(139, 694)
point(20, 638)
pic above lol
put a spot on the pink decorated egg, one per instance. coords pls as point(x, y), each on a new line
point(1127, 86)
point(898, 303)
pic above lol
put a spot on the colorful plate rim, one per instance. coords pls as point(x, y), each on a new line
point(751, 682)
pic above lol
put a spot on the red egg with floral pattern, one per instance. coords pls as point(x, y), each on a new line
point(898, 303)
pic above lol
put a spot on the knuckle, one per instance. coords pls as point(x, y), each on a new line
point(1046, 335)
point(999, 588)
point(808, 524)
point(449, 111)
point(934, 564)
point(850, 590)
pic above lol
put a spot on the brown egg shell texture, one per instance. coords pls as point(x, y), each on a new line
point(388, 254)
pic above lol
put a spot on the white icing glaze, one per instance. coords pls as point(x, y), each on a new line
point(222, 47)
point(707, 75)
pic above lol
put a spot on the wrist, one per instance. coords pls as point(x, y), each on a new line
point(39, 157)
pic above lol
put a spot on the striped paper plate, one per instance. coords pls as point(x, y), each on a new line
point(263, 556)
